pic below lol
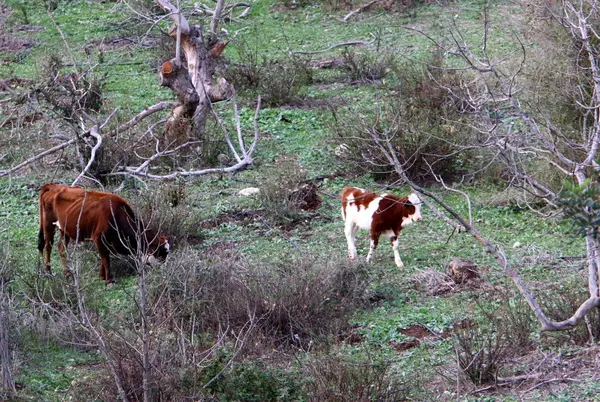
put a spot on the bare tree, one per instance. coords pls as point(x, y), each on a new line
point(521, 137)
point(76, 98)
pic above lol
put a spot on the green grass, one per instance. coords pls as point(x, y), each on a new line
point(132, 84)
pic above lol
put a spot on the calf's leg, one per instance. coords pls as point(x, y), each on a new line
point(373, 246)
point(350, 231)
point(397, 259)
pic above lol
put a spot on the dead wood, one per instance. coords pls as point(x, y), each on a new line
point(357, 11)
point(197, 45)
point(349, 43)
point(462, 270)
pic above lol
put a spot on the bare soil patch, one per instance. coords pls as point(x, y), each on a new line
point(404, 346)
point(416, 331)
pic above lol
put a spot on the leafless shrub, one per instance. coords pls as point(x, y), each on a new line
point(7, 320)
point(481, 353)
point(295, 301)
point(482, 350)
point(69, 92)
point(165, 210)
point(211, 310)
point(363, 378)
point(518, 323)
point(287, 193)
point(368, 66)
point(283, 81)
point(278, 81)
point(423, 125)
point(247, 71)
point(433, 282)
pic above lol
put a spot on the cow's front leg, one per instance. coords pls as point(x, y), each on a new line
point(104, 262)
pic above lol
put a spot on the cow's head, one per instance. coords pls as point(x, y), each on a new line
point(158, 251)
point(415, 202)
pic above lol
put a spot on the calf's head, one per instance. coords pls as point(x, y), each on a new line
point(413, 203)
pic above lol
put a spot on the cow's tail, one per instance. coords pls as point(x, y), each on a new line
point(41, 237)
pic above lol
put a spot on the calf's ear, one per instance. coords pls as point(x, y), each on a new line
point(164, 241)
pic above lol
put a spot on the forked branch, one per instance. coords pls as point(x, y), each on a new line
point(243, 155)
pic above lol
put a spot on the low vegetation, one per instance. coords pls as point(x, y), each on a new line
point(258, 300)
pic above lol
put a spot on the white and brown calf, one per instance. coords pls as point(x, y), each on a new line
point(381, 214)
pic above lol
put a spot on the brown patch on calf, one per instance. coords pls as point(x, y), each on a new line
point(361, 198)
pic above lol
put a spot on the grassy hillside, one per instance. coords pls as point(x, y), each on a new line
point(324, 328)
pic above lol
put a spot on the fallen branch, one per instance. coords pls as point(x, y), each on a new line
point(37, 157)
point(358, 10)
point(243, 156)
point(518, 378)
point(205, 10)
point(549, 381)
point(350, 43)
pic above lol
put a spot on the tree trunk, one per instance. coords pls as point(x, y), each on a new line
point(7, 380)
point(200, 49)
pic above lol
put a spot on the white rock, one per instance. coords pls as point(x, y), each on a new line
point(248, 191)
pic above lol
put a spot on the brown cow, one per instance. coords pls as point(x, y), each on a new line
point(380, 214)
point(104, 218)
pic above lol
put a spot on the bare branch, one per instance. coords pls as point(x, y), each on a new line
point(358, 10)
point(142, 115)
point(243, 157)
point(178, 19)
point(349, 43)
point(214, 23)
point(37, 157)
point(94, 133)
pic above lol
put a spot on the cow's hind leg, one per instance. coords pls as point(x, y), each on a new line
point(373, 246)
point(397, 259)
point(48, 234)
